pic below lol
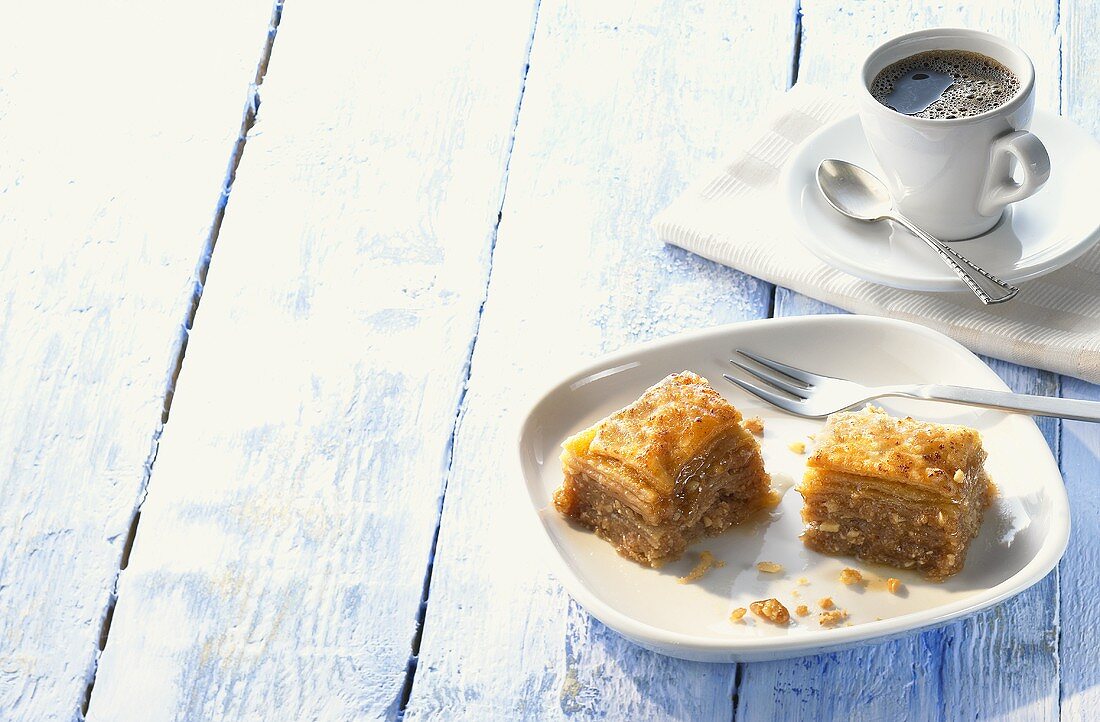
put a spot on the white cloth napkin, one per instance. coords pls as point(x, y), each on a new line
point(730, 216)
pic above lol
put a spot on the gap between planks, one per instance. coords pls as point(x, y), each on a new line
point(1060, 385)
point(422, 611)
point(796, 58)
point(202, 268)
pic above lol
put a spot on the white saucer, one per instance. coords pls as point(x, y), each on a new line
point(1036, 236)
point(1023, 535)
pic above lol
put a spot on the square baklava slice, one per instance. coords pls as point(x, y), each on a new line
point(901, 492)
point(671, 467)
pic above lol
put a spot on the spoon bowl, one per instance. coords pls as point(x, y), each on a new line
point(854, 191)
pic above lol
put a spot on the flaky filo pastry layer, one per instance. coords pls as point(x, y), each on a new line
point(698, 484)
point(873, 444)
point(658, 454)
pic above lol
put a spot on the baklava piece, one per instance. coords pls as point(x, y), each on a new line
point(901, 492)
point(670, 468)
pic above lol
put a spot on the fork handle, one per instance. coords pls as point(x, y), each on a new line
point(1076, 409)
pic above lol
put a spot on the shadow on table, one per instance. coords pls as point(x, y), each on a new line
point(609, 677)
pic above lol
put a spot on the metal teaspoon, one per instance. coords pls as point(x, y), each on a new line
point(859, 194)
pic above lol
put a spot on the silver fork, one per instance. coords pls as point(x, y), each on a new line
point(815, 395)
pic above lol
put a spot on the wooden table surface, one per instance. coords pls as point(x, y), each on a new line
point(258, 359)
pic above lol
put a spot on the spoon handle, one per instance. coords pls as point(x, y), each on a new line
point(989, 289)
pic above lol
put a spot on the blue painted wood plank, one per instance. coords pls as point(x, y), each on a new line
point(1080, 568)
point(626, 102)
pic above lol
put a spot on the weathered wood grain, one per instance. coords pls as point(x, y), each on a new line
point(117, 131)
point(626, 102)
point(1080, 568)
point(279, 564)
point(1002, 664)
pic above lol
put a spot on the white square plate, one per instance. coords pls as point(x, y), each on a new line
point(1023, 536)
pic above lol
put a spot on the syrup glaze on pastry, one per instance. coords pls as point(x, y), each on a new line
point(673, 466)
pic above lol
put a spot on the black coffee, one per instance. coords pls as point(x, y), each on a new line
point(944, 84)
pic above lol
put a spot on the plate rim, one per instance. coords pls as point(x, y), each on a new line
point(946, 284)
point(700, 647)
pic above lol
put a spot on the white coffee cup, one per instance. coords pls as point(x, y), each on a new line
point(954, 177)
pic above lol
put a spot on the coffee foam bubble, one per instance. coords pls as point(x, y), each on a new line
point(980, 83)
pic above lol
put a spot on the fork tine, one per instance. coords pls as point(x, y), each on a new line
point(770, 396)
point(777, 380)
point(793, 372)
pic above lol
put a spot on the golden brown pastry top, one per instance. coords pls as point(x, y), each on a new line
point(653, 438)
point(872, 443)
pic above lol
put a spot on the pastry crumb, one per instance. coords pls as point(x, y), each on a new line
point(755, 426)
point(769, 567)
point(893, 585)
point(803, 581)
point(802, 610)
point(831, 619)
point(798, 447)
point(706, 561)
point(850, 576)
point(772, 610)
point(826, 602)
point(795, 593)
point(737, 614)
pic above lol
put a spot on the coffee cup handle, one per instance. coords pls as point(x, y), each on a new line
point(1000, 188)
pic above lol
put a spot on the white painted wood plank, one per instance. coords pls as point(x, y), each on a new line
point(1080, 568)
point(626, 102)
point(278, 567)
point(1002, 664)
point(118, 123)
